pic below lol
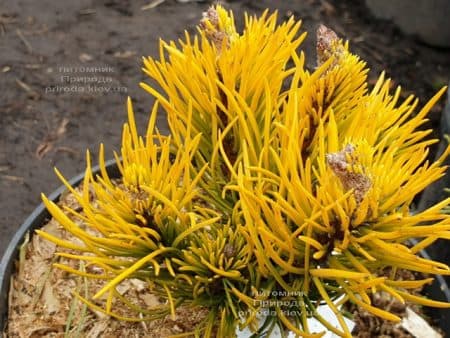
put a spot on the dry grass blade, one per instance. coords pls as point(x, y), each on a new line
point(13, 178)
point(24, 41)
point(82, 315)
point(42, 281)
point(32, 94)
point(22, 253)
point(87, 11)
point(48, 143)
point(153, 4)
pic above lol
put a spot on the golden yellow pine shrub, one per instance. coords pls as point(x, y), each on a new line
point(279, 188)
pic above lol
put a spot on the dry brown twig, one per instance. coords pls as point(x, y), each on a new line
point(87, 11)
point(13, 178)
point(63, 149)
point(32, 94)
point(47, 144)
point(124, 55)
point(153, 4)
point(24, 41)
point(5, 20)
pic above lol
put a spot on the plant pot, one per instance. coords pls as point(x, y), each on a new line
point(438, 290)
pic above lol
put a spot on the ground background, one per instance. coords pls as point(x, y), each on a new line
point(46, 121)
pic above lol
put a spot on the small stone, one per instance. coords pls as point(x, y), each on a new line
point(138, 284)
point(177, 329)
point(85, 57)
point(123, 287)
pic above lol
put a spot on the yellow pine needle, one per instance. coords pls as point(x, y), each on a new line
point(336, 273)
point(392, 292)
point(193, 229)
point(295, 329)
point(100, 260)
point(422, 300)
point(157, 311)
point(326, 324)
point(408, 284)
point(95, 307)
point(62, 243)
point(81, 273)
point(171, 302)
point(287, 267)
point(332, 306)
point(311, 242)
point(227, 274)
point(129, 271)
point(374, 310)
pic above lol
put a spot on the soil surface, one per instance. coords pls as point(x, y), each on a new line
point(66, 68)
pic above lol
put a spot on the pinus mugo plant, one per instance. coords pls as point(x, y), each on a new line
point(279, 188)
